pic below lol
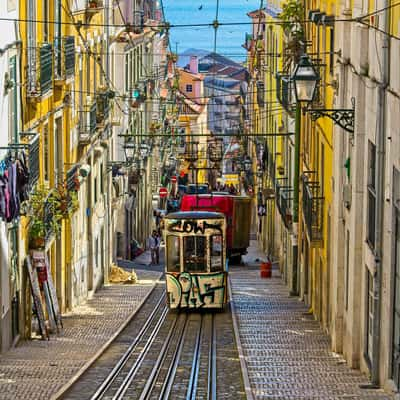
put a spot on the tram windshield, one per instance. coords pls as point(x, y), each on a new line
point(216, 253)
point(173, 256)
point(195, 253)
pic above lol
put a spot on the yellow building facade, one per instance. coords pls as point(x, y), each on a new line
point(66, 104)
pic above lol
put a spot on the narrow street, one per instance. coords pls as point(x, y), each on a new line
point(199, 200)
point(286, 353)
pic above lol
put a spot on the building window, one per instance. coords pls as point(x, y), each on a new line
point(58, 153)
point(45, 139)
point(371, 193)
point(95, 190)
point(189, 88)
point(13, 102)
point(31, 50)
point(396, 285)
point(101, 179)
point(347, 268)
point(46, 19)
point(369, 315)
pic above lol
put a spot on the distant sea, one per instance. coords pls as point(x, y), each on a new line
point(229, 38)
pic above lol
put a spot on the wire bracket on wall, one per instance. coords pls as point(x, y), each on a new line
point(342, 117)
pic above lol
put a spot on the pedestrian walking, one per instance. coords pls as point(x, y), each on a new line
point(154, 245)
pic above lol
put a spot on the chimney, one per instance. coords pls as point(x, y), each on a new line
point(194, 65)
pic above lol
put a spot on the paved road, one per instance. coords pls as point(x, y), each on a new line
point(287, 354)
point(37, 369)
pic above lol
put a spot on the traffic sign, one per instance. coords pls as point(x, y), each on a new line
point(163, 192)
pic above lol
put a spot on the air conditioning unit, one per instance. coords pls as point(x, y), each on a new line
point(347, 195)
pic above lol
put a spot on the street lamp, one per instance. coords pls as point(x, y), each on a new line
point(247, 164)
point(305, 79)
point(129, 149)
point(215, 150)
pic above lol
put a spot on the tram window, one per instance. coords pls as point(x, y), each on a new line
point(173, 256)
point(195, 253)
point(216, 253)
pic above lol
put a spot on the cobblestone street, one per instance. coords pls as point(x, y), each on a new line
point(37, 369)
point(287, 354)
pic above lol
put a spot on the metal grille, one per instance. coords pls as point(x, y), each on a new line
point(313, 205)
point(71, 178)
point(284, 203)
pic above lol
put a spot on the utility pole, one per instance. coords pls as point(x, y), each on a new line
point(296, 187)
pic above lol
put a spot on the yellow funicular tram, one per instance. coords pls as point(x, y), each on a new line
point(196, 268)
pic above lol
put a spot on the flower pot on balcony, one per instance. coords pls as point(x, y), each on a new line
point(36, 243)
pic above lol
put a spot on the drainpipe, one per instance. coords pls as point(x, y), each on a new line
point(380, 177)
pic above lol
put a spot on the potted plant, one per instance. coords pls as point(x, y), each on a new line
point(93, 3)
point(43, 211)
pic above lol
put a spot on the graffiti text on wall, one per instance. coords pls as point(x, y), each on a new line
point(196, 291)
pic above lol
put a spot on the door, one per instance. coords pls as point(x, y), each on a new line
point(396, 306)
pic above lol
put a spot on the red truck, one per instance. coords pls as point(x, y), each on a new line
point(237, 210)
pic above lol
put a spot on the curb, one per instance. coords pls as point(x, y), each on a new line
point(242, 359)
point(103, 348)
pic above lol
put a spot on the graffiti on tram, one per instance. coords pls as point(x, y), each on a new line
point(196, 291)
point(195, 226)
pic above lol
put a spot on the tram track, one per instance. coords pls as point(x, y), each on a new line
point(170, 355)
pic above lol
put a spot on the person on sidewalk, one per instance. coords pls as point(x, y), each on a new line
point(154, 245)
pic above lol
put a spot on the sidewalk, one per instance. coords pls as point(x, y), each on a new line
point(37, 369)
point(287, 354)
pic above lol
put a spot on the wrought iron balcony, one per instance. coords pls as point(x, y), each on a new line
point(88, 123)
point(260, 93)
point(313, 207)
point(284, 91)
point(283, 197)
point(103, 108)
point(94, 6)
point(40, 72)
point(64, 58)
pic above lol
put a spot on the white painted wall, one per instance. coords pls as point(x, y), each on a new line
point(8, 9)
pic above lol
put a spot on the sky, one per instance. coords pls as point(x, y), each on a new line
point(229, 38)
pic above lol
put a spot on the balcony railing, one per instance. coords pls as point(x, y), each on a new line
point(283, 196)
point(313, 207)
point(64, 58)
point(284, 91)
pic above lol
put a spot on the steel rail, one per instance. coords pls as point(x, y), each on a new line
point(169, 379)
point(135, 368)
point(212, 359)
point(194, 374)
point(125, 357)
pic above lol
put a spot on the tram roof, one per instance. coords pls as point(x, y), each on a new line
point(195, 215)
